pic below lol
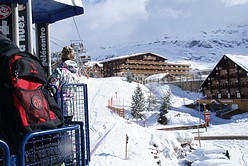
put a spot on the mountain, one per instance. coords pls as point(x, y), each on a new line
point(203, 49)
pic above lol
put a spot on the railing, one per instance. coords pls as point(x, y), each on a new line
point(5, 154)
point(68, 145)
point(74, 99)
point(52, 147)
point(58, 146)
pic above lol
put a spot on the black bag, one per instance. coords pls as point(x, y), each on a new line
point(26, 103)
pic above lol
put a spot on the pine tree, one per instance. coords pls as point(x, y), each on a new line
point(164, 109)
point(138, 103)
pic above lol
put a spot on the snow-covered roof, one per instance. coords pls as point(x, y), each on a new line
point(92, 63)
point(241, 60)
point(132, 55)
point(156, 76)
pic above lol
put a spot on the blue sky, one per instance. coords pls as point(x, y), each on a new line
point(114, 22)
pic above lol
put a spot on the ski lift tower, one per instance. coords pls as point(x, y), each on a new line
point(78, 46)
point(81, 59)
point(79, 49)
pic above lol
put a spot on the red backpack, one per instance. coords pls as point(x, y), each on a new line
point(29, 82)
point(26, 103)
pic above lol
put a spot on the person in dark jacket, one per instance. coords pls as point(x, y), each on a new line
point(12, 130)
point(7, 123)
point(7, 47)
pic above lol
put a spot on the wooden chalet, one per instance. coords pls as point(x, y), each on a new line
point(227, 84)
point(95, 70)
point(142, 65)
point(160, 78)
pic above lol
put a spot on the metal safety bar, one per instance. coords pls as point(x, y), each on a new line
point(59, 146)
point(4, 154)
point(74, 105)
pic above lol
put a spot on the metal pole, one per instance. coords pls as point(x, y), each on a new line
point(49, 51)
point(15, 31)
point(126, 147)
point(29, 27)
point(198, 126)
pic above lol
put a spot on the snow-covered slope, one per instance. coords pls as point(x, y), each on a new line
point(108, 131)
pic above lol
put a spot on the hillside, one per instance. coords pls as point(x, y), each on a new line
point(202, 50)
point(108, 131)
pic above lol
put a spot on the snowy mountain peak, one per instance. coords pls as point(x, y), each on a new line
point(205, 47)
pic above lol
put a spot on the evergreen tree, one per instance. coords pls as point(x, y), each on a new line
point(164, 109)
point(138, 103)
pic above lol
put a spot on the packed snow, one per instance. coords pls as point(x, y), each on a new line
point(115, 140)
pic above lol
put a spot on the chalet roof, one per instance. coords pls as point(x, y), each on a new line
point(157, 76)
point(93, 63)
point(241, 60)
point(131, 55)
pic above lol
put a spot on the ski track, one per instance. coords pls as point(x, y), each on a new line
point(101, 141)
point(98, 134)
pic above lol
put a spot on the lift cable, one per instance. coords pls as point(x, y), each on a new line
point(56, 44)
point(58, 40)
point(76, 28)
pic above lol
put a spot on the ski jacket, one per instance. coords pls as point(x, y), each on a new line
point(66, 73)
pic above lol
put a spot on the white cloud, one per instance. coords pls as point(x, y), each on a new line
point(111, 22)
point(234, 2)
point(113, 12)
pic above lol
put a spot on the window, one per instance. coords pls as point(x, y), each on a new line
point(238, 95)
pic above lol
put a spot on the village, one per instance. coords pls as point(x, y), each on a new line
point(137, 49)
point(224, 87)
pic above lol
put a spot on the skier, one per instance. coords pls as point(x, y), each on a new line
point(67, 73)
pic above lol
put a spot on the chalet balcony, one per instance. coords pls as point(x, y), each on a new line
point(215, 82)
point(223, 72)
point(214, 87)
point(224, 90)
point(144, 62)
point(214, 97)
point(232, 71)
point(233, 80)
point(244, 79)
point(223, 81)
point(244, 84)
point(232, 75)
point(242, 74)
point(215, 91)
point(141, 67)
point(244, 89)
point(223, 77)
point(207, 91)
point(234, 90)
point(152, 70)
